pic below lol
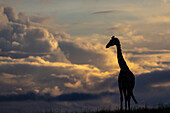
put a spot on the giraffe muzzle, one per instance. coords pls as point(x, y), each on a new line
point(107, 46)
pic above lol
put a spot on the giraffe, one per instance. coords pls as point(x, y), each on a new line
point(126, 79)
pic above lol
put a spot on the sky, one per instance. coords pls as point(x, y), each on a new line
point(53, 55)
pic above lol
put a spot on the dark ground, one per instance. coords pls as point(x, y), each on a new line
point(139, 110)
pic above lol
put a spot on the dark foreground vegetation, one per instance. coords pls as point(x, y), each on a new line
point(138, 110)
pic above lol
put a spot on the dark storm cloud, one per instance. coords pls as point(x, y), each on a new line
point(144, 92)
point(46, 97)
point(149, 89)
point(147, 80)
point(168, 63)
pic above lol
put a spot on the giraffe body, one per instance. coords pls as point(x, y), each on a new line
point(126, 79)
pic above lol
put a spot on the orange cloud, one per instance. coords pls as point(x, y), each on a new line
point(166, 84)
point(75, 85)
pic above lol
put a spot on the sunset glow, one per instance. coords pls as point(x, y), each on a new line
point(57, 47)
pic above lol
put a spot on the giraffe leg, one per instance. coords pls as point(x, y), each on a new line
point(121, 98)
point(125, 95)
point(128, 98)
point(129, 104)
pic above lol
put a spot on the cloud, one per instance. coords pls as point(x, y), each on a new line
point(142, 91)
point(152, 78)
point(158, 19)
point(24, 36)
point(46, 97)
point(71, 64)
point(138, 59)
point(155, 83)
point(30, 39)
point(63, 75)
point(146, 51)
point(78, 23)
point(166, 84)
point(26, 39)
point(32, 54)
point(119, 27)
point(10, 13)
point(133, 37)
point(75, 85)
point(40, 19)
point(107, 11)
point(39, 40)
point(83, 52)
point(53, 92)
point(45, 1)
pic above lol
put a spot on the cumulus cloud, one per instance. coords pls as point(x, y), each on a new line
point(10, 13)
point(23, 34)
point(35, 58)
point(54, 92)
point(40, 72)
point(27, 39)
point(39, 40)
point(140, 60)
point(75, 85)
point(74, 65)
point(83, 52)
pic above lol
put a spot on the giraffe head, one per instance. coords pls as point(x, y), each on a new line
point(113, 41)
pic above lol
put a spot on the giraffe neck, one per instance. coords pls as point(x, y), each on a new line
point(121, 61)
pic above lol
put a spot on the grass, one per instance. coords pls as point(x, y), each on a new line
point(138, 110)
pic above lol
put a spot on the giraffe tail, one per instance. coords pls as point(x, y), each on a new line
point(133, 97)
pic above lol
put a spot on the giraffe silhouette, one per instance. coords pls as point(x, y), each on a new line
point(126, 79)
